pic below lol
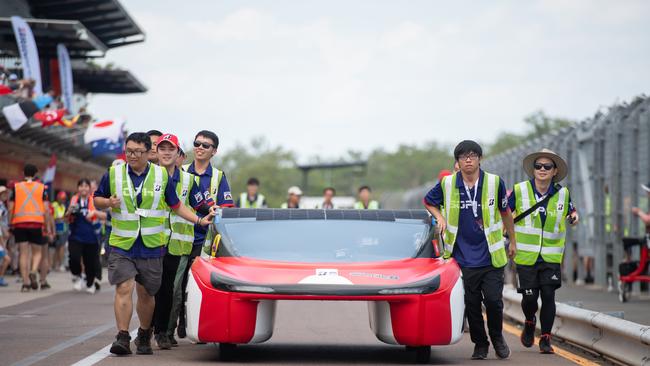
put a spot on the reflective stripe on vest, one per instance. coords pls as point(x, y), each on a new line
point(532, 238)
point(490, 212)
point(150, 219)
point(372, 205)
point(245, 203)
point(182, 237)
point(28, 203)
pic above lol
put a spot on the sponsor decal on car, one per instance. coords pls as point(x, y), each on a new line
point(374, 275)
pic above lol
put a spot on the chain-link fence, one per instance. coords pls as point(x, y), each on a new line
point(609, 159)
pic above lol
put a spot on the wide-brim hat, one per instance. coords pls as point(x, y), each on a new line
point(560, 164)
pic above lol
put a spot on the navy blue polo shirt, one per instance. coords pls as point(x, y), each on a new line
point(471, 248)
point(139, 250)
point(541, 210)
point(82, 230)
point(224, 197)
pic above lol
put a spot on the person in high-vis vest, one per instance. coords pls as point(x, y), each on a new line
point(471, 209)
point(364, 202)
point(294, 194)
point(540, 238)
point(205, 148)
point(61, 231)
point(30, 217)
point(252, 198)
point(328, 199)
point(140, 197)
point(181, 238)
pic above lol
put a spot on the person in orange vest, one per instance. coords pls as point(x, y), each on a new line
point(30, 214)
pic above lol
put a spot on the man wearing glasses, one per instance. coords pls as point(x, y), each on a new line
point(205, 147)
point(141, 199)
point(540, 239)
point(471, 209)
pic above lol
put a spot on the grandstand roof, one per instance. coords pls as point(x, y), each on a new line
point(107, 81)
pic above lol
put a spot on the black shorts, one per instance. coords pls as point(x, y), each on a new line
point(539, 274)
point(31, 235)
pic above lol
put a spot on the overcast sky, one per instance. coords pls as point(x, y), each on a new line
point(320, 77)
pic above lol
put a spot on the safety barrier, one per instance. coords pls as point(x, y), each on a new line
point(615, 338)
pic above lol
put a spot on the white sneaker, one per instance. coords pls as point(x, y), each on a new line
point(91, 290)
point(77, 283)
point(580, 282)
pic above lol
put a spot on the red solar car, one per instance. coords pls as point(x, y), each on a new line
point(383, 257)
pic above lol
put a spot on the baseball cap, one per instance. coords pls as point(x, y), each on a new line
point(62, 194)
point(168, 137)
point(3, 189)
point(295, 190)
point(13, 77)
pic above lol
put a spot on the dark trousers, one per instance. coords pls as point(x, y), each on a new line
point(484, 286)
point(89, 253)
point(196, 251)
point(165, 295)
point(547, 313)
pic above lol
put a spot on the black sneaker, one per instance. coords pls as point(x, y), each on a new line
point(45, 286)
point(173, 341)
point(33, 278)
point(480, 352)
point(163, 341)
point(98, 286)
point(25, 288)
point(545, 344)
point(501, 347)
point(121, 346)
point(143, 342)
point(528, 333)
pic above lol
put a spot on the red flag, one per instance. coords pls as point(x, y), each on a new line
point(48, 118)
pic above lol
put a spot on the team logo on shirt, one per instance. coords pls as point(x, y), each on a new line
point(157, 187)
point(491, 202)
point(504, 202)
point(560, 206)
point(227, 196)
point(198, 196)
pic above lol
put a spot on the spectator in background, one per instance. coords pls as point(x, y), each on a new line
point(328, 196)
point(643, 216)
point(293, 199)
point(13, 83)
point(180, 159)
point(30, 216)
point(61, 228)
point(252, 198)
point(154, 135)
point(364, 202)
point(5, 258)
point(84, 244)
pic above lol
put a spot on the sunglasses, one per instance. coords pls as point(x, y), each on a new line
point(202, 144)
point(539, 166)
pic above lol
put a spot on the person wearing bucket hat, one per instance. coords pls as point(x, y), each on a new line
point(644, 216)
point(293, 198)
point(471, 208)
point(540, 236)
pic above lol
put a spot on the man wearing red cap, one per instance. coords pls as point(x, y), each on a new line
point(180, 244)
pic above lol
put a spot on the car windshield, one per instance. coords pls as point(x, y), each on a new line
point(313, 241)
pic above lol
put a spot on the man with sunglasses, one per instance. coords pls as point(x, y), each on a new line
point(471, 209)
point(540, 240)
point(205, 147)
point(141, 197)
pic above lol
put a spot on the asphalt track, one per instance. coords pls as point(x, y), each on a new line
point(68, 327)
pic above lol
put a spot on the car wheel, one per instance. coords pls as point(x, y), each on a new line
point(423, 354)
point(227, 351)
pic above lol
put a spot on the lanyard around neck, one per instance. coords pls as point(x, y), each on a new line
point(473, 198)
point(133, 193)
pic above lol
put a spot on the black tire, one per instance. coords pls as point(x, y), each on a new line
point(227, 351)
point(423, 354)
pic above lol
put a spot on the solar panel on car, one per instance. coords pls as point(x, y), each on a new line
point(312, 214)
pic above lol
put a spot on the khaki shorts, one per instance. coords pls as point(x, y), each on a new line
point(147, 272)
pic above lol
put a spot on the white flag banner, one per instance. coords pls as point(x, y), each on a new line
point(65, 73)
point(105, 130)
point(28, 52)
